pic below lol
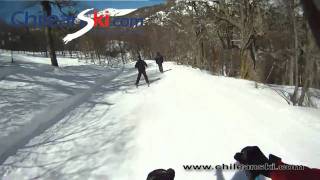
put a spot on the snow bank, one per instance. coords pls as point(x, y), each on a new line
point(195, 118)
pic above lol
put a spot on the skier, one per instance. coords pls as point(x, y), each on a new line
point(141, 66)
point(159, 61)
point(252, 155)
point(161, 174)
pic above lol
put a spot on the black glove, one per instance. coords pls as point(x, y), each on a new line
point(252, 155)
point(161, 174)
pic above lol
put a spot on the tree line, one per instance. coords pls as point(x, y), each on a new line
point(262, 40)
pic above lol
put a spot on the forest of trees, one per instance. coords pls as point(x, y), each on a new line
point(261, 40)
point(267, 41)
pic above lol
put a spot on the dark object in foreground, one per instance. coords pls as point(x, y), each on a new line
point(141, 66)
point(161, 174)
point(252, 155)
point(312, 13)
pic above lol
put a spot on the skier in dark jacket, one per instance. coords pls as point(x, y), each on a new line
point(159, 61)
point(141, 66)
point(252, 155)
point(161, 174)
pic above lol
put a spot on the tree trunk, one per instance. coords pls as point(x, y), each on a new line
point(291, 71)
point(48, 31)
point(308, 71)
point(122, 52)
point(245, 34)
point(11, 56)
point(296, 55)
point(244, 66)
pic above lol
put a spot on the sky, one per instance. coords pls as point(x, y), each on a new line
point(7, 8)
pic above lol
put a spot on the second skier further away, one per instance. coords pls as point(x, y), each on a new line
point(159, 61)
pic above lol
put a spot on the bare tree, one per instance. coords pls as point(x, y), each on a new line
point(46, 6)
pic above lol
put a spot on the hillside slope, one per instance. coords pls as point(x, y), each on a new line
point(186, 116)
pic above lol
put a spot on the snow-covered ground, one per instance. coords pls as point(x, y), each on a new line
point(93, 123)
point(119, 12)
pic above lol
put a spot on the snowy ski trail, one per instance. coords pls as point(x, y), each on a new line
point(45, 119)
point(188, 117)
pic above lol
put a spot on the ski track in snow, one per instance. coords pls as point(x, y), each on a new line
point(114, 131)
point(45, 119)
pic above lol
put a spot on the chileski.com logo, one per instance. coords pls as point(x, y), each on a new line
point(86, 21)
